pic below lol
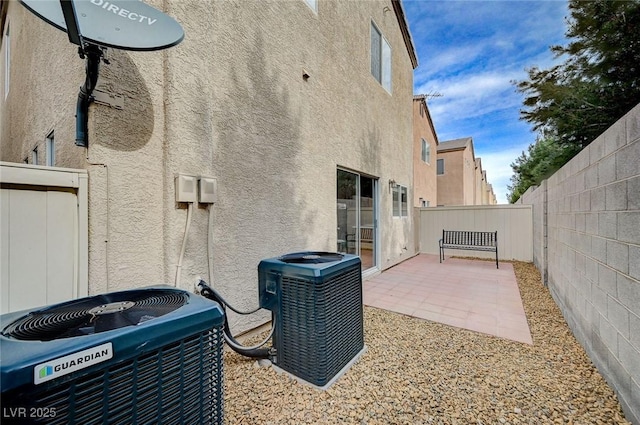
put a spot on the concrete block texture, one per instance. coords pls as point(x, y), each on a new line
point(629, 357)
point(629, 227)
point(593, 250)
point(633, 125)
point(618, 316)
point(634, 262)
point(616, 196)
point(627, 161)
point(629, 294)
point(618, 256)
point(634, 330)
point(607, 225)
point(607, 170)
point(633, 193)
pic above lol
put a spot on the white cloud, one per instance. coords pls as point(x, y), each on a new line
point(472, 95)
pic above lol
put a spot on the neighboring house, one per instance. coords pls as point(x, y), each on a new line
point(461, 179)
point(483, 190)
point(298, 109)
point(425, 145)
point(456, 172)
point(491, 196)
point(479, 183)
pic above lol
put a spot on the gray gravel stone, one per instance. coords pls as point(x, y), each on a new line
point(420, 372)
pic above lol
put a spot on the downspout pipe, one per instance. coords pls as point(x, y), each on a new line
point(94, 55)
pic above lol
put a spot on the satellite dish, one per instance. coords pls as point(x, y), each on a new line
point(120, 24)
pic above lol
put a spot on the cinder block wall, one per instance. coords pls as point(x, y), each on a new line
point(590, 213)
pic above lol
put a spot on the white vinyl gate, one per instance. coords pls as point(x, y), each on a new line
point(44, 240)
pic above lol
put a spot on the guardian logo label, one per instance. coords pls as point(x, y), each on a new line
point(64, 365)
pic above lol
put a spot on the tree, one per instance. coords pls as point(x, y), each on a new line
point(543, 158)
point(574, 102)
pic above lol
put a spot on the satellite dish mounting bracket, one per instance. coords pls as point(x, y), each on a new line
point(94, 54)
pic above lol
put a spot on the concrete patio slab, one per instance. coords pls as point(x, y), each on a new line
point(469, 294)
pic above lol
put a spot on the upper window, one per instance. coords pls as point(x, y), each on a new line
point(426, 151)
point(34, 156)
point(7, 62)
point(51, 150)
point(313, 4)
point(440, 166)
point(400, 201)
point(380, 58)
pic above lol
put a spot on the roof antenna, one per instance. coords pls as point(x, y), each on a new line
point(433, 93)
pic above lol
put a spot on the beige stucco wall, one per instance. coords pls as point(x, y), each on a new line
point(228, 102)
point(424, 174)
point(456, 185)
point(450, 191)
point(477, 180)
point(468, 171)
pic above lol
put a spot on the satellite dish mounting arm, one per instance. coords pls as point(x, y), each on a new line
point(93, 55)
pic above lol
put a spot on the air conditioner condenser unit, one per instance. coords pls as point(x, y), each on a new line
point(316, 299)
point(144, 356)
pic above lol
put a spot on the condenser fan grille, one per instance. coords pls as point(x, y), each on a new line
point(96, 314)
point(311, 257)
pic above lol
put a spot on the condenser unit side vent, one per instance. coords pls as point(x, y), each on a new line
point(325, 317)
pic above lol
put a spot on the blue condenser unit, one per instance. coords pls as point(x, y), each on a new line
point(144, 356)
point(316, 300)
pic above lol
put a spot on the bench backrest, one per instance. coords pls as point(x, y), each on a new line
point(366, 234)
point(462, 237)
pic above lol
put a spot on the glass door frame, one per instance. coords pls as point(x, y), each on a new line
point(375, 217)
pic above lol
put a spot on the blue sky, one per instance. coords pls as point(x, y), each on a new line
point(470, 51)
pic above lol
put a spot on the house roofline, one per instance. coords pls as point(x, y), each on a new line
point(468, 143)
point(423, 99)
point(406, 34)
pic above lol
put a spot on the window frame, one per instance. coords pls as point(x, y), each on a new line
point(400, 201)
point(440, 166)
point(50, 150)
point(381, 68)
point(313, 5)
point(426, 152)
point(7, 60)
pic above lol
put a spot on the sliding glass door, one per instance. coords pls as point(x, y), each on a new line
point(357, 215)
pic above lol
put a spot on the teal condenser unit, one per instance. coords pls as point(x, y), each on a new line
point(143, 356)
point(316, 300)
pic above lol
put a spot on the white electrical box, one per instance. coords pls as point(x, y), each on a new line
point(208, 190)
point(186, 188)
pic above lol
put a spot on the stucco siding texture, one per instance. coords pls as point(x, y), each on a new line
point(40, 97)
point(424, 181)
point(231, 102)
point(451, 189)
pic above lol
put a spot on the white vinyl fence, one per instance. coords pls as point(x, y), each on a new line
point(513, 223)
point(43, 233)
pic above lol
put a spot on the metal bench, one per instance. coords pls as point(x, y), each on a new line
point(475, 241)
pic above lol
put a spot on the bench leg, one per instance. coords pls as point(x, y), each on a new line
point(497, 259)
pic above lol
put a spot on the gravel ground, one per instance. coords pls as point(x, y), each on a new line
point(420, 372)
